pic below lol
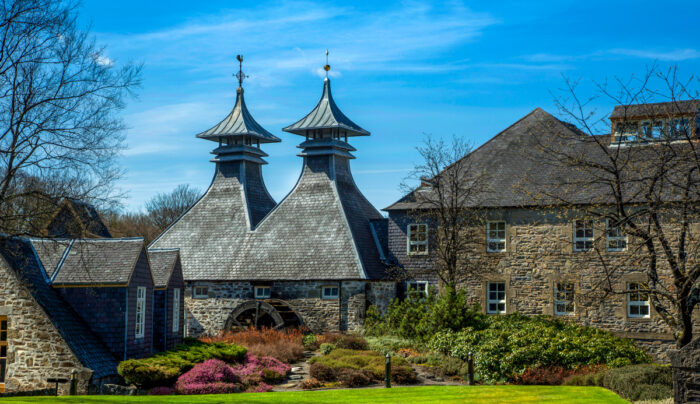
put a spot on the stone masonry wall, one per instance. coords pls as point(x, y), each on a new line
point(209, 316)
point(36, 350)
point(381, 294)
point(539, 253)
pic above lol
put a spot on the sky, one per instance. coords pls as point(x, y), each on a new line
point(401, 70)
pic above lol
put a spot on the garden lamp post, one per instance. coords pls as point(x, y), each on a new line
point(470, 368)
point(387, 371)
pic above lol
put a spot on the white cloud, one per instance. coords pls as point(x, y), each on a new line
point(675, 55)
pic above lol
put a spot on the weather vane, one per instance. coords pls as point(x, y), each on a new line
point(327, 67)
point(240, 74)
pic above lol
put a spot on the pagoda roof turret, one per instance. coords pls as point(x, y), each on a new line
point(239, 123)
point(326, 115)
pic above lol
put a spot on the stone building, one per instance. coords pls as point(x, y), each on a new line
point(81, 305)
point(535, 256)
point(313, 259)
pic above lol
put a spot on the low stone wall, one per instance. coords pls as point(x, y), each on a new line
point(685, 363)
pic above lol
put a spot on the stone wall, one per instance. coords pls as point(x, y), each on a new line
point(539, 253)
point(36, 350)
point(685, 363)
point(381, 294)
point(209, 316)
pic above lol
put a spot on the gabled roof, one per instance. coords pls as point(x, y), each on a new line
point(95, 261)
point(509, 162)
point(83, 221)
point(239, 122)
point(163, 264)
point(89, 350)
point(326, 115)
point(50, 252)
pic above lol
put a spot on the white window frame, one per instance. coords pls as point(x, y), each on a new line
point(140, 313)
point(633, 300)
point(498, 240)
point(262, 292)
point(331, 296)
point(420, 286)
point(497, 300)
point(564, 298)
point(200, 292)
point(616, 235)
point(587, 225)
point(176, 310)
point(417, 229)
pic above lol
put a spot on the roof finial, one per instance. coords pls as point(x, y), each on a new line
point(240, 74)
point(327, 67)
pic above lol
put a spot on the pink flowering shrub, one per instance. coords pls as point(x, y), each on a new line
point(209, 377)
point(254, 370)
point(260, 388)
point(162, 391)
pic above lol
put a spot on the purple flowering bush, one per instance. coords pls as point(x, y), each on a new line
point(209, 377)
point(254, 370)
point(162, 391)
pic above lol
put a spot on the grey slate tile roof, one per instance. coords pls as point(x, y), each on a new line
point(74, 216)
point(162, 265)
point(89, 350)
point(50, 252)
point(99, 261)
point(239, 122)
point(689, 107)
point(326, 115)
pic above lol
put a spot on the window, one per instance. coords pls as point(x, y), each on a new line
point(418, 286)
point(637, 300)
point(200, 292)
point(496, 298)
point(625, 132)
point(140, 311)
point(583, 235)
point(262, 292)
point(3, 351)
point(176, 310)
point(679, 128)
point(615, 240)
point(418, 238)
point(496, 236)
point(330, 292)
point(564, 298)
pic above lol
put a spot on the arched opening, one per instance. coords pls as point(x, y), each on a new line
point(269, 313)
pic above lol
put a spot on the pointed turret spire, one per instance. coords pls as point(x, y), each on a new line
point(326, 120)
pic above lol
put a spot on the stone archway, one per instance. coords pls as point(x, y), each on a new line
point(270, 313)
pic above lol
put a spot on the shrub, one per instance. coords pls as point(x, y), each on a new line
point(310, 342)
point(326, 348)
point(389, 344)
point(209, 377)
point(514, 343)
point(640, 382)
point(354, 377)
point(255, 370)
point(285, 345)
point(161, 391)
point(260, 388)
point(310, 383)
point(549, 375)
point(369, 361)
point(321, 372)
point(164, 368)
point(352, 342)
point(329, 337)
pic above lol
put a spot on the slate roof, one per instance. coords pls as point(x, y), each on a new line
point(84, 215)
point(89, 350)
point(326, 115)
point(50, 252)
point(523, 166)
point(162, 265)
point(97, 261)
point(686, 107)
point(239, 122)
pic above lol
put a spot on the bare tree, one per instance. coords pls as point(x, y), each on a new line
point(59, 98)
point(642, 180)
point(451, 187)
point(164, 208)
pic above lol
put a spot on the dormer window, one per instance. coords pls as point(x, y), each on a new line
point(626, 132)
point(679, 128)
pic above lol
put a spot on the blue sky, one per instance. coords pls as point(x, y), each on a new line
point(399, 70)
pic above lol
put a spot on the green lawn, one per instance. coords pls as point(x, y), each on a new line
point(411, 395)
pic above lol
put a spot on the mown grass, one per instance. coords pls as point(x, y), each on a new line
point(413, 395)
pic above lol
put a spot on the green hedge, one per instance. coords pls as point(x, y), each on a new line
point(372, 363)
point(636, 383)
point(512, 343)
point(163, 368)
